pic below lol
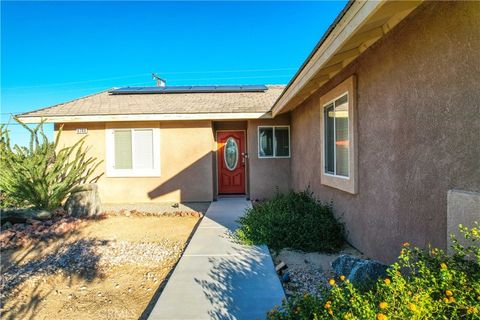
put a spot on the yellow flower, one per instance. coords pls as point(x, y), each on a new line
point(330, 312)
point(327, 305)
point(383, 305)
point(347, 315)
point(472, 310)
point(387, 281)
point(406, 244)
point(342, 277)
point(409, 293)
point(331, 282)
point(445, 300)
point(448, 293)
point(443, 266)
point(451, 299)
point(412, 307)
point(381, 316)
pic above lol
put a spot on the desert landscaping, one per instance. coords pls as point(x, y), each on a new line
point(106, 267)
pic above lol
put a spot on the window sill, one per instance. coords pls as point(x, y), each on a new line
point(132, 173)
point(267, 157)
point(339, 182)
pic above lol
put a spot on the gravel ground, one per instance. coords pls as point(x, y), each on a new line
point(89, 257)
point(157, 208)
point(307, 271)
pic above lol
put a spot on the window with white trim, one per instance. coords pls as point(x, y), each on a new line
point(133, 152)
point(335, 116)
point(338, 137)
point(273, 141)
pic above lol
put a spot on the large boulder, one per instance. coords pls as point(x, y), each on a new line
point(84, 203)
point(361, 272)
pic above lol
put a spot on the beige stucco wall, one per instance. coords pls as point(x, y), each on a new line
point(266, 174)
point(186, 149)
point(418, 103)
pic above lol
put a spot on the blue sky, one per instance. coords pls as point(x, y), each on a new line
point(52, 52)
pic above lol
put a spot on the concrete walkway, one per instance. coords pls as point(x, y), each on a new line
point(217, 278)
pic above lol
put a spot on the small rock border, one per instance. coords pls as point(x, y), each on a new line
point(136, 213)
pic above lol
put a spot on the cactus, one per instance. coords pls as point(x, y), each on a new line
point(42, 175)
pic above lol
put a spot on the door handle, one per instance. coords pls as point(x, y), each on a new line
point(244, 156)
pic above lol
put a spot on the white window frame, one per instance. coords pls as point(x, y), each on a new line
point(348, 184)
point(274, 142)
point(110, 155)
point(334, 131)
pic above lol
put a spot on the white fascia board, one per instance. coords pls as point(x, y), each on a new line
point(147, 117)
point(357, 14)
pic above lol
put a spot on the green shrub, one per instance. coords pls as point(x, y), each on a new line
point(293, 220)
point(41, 175)
point(422, 284)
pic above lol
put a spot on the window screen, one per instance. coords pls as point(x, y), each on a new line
point(123, 149)
point(134, 149)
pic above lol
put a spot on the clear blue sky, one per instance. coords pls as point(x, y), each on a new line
point(52, 52)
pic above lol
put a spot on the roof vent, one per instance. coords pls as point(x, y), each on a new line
point(160, 82)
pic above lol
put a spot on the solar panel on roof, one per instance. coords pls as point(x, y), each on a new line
point(189, 89)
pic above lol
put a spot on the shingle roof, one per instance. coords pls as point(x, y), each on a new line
point(104, 103)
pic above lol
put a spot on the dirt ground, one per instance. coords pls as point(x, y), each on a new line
point(122, 264)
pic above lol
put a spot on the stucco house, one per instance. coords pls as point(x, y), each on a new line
point(383, 119)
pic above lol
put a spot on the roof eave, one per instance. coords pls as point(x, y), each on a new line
point(348, 37)
point(145, 117)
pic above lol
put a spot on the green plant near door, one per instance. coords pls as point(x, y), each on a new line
point(293, 220)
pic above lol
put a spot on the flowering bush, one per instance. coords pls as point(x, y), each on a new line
point(422, 284)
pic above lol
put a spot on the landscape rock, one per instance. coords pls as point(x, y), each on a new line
point(360, 272)
point(7, 225)
point(84, 203)
point(20, 215)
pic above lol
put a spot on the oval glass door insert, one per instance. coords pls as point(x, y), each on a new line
point(230, 154)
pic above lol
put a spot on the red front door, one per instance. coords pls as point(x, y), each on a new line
point(231, 162)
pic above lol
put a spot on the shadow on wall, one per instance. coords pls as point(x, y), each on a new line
point(194, 183)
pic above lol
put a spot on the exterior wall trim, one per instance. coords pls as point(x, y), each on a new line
point(148, 117)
